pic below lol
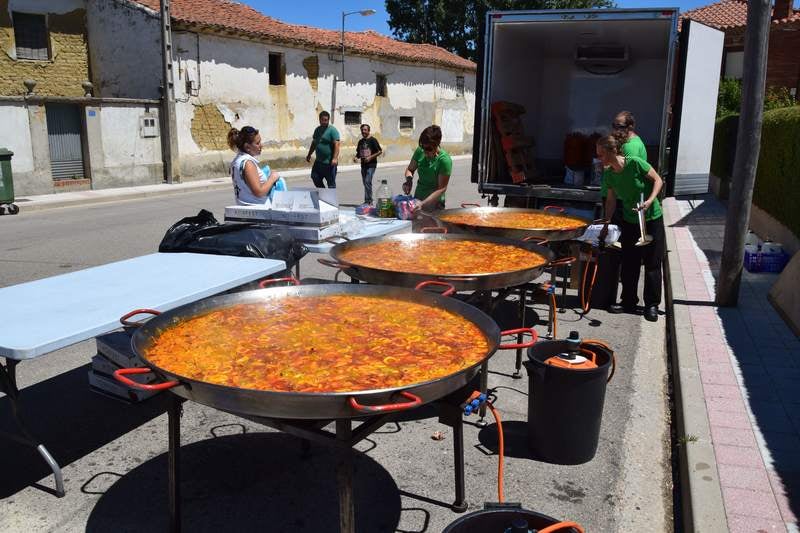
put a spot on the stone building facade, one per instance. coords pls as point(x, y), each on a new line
point(98, 90)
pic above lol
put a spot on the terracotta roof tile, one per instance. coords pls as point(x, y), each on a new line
point(234, 16)
point(729, 14)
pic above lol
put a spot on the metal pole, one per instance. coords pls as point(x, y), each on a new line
point(344, 476)
point(343, 16)
point(169, 144)
point(748, 143)
point(174, 462)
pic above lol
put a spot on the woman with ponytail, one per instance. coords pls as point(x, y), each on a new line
point(630, 178)
point(251, 185)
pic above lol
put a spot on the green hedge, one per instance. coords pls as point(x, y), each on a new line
point(724, 146)
point(777, 188)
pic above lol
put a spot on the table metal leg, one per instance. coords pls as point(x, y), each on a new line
point(297, 269)
point(174, 414)
point(8, 385)
point(344, 477)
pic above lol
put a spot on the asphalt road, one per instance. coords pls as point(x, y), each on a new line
point(239, 476)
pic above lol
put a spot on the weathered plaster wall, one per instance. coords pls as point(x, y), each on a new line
point(230, 87)
point(118, 154)
point(68, 66)
point(125, 50)
point(15, 136)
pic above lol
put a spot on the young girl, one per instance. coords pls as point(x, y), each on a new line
point(628, 178)
point(251, 184)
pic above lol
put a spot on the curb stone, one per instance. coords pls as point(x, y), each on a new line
point(703, 508)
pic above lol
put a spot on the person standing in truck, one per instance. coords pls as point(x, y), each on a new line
point(628, 178)
point(367, 152)
point(623, 129)
point(326, 144)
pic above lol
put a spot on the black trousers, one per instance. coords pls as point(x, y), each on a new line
point(634, 256)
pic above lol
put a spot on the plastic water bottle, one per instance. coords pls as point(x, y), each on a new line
point(384, 200)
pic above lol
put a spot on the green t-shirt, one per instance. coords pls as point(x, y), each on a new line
point(634, 147)
point(325, 136)
point(628, 184)
point(429, 171)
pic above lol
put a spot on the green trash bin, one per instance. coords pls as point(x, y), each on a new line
point(6, 183)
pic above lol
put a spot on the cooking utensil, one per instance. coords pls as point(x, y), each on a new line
point(300, 405)
point(550, 234)
point(462, 282)
point(644, 238)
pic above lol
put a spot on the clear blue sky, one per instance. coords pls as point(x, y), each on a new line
point(328, 14)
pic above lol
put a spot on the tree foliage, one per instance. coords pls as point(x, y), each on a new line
point(453, 24)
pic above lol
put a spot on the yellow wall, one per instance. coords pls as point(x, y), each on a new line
point(67, 68)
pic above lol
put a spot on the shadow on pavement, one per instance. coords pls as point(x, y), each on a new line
point(70, 420)
point(765, 349)
point(251, 482)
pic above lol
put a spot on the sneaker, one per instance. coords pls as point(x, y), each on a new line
point(651, 313)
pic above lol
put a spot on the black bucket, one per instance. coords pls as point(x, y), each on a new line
point(498, 518)
point(565, 406)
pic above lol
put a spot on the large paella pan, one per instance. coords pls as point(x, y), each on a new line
point(317, 352)
point(468, 262)
point(549, 223)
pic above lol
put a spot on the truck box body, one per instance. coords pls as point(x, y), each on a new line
point(573, 71)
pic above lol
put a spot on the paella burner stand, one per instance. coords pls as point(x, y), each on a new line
point(343, 438)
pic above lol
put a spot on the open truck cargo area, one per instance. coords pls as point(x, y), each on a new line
point(551, 79)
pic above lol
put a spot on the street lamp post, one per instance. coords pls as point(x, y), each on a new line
point(363, 13)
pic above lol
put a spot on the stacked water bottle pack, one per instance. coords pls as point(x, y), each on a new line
point(763, 256)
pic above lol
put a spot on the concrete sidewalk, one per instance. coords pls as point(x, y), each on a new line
point(737, 386)
point(296, 177)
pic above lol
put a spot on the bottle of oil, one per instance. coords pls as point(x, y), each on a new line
point(384, 200)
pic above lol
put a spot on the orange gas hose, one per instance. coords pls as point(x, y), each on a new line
point(586, 293)
point(562, 525)
point(554, 308)
point(500, 444)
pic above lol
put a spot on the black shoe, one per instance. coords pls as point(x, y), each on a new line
point(651, 313)
point(616, 309)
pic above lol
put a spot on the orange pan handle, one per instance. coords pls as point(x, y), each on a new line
point(562, 526)
point(433, 229)
point(537, 240)
point(415, 401)
point(450, 288)
point(534, 338)
point(468, 204)
point(291, 279)
point(564, 261)
point(120, 374)
point(125, 322)
point(554, 208)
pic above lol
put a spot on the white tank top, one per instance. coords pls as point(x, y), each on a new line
point(241, 191)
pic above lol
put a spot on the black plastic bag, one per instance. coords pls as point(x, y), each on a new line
point(203, 234)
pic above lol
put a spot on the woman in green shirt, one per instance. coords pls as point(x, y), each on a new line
point(434, 166)
point(627, 179)
point(631, 145)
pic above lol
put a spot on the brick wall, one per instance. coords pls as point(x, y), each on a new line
point(783, 62)
point(209, 128)
point(783, 67)
point(67, 68)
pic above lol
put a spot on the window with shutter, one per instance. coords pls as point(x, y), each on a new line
point(30, 36)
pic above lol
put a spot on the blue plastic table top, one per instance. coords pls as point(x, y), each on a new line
point(44, 315)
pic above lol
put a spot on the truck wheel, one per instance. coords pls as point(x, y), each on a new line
point(13, 209)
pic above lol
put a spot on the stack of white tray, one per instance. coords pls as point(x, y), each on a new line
point(114, 352)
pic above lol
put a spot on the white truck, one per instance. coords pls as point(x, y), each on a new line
point(573, 71)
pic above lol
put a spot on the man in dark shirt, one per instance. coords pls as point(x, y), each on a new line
point(367, 152)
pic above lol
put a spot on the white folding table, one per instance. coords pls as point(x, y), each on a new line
point(41, 316)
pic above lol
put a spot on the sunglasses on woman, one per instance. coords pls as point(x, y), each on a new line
point(619, 126)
